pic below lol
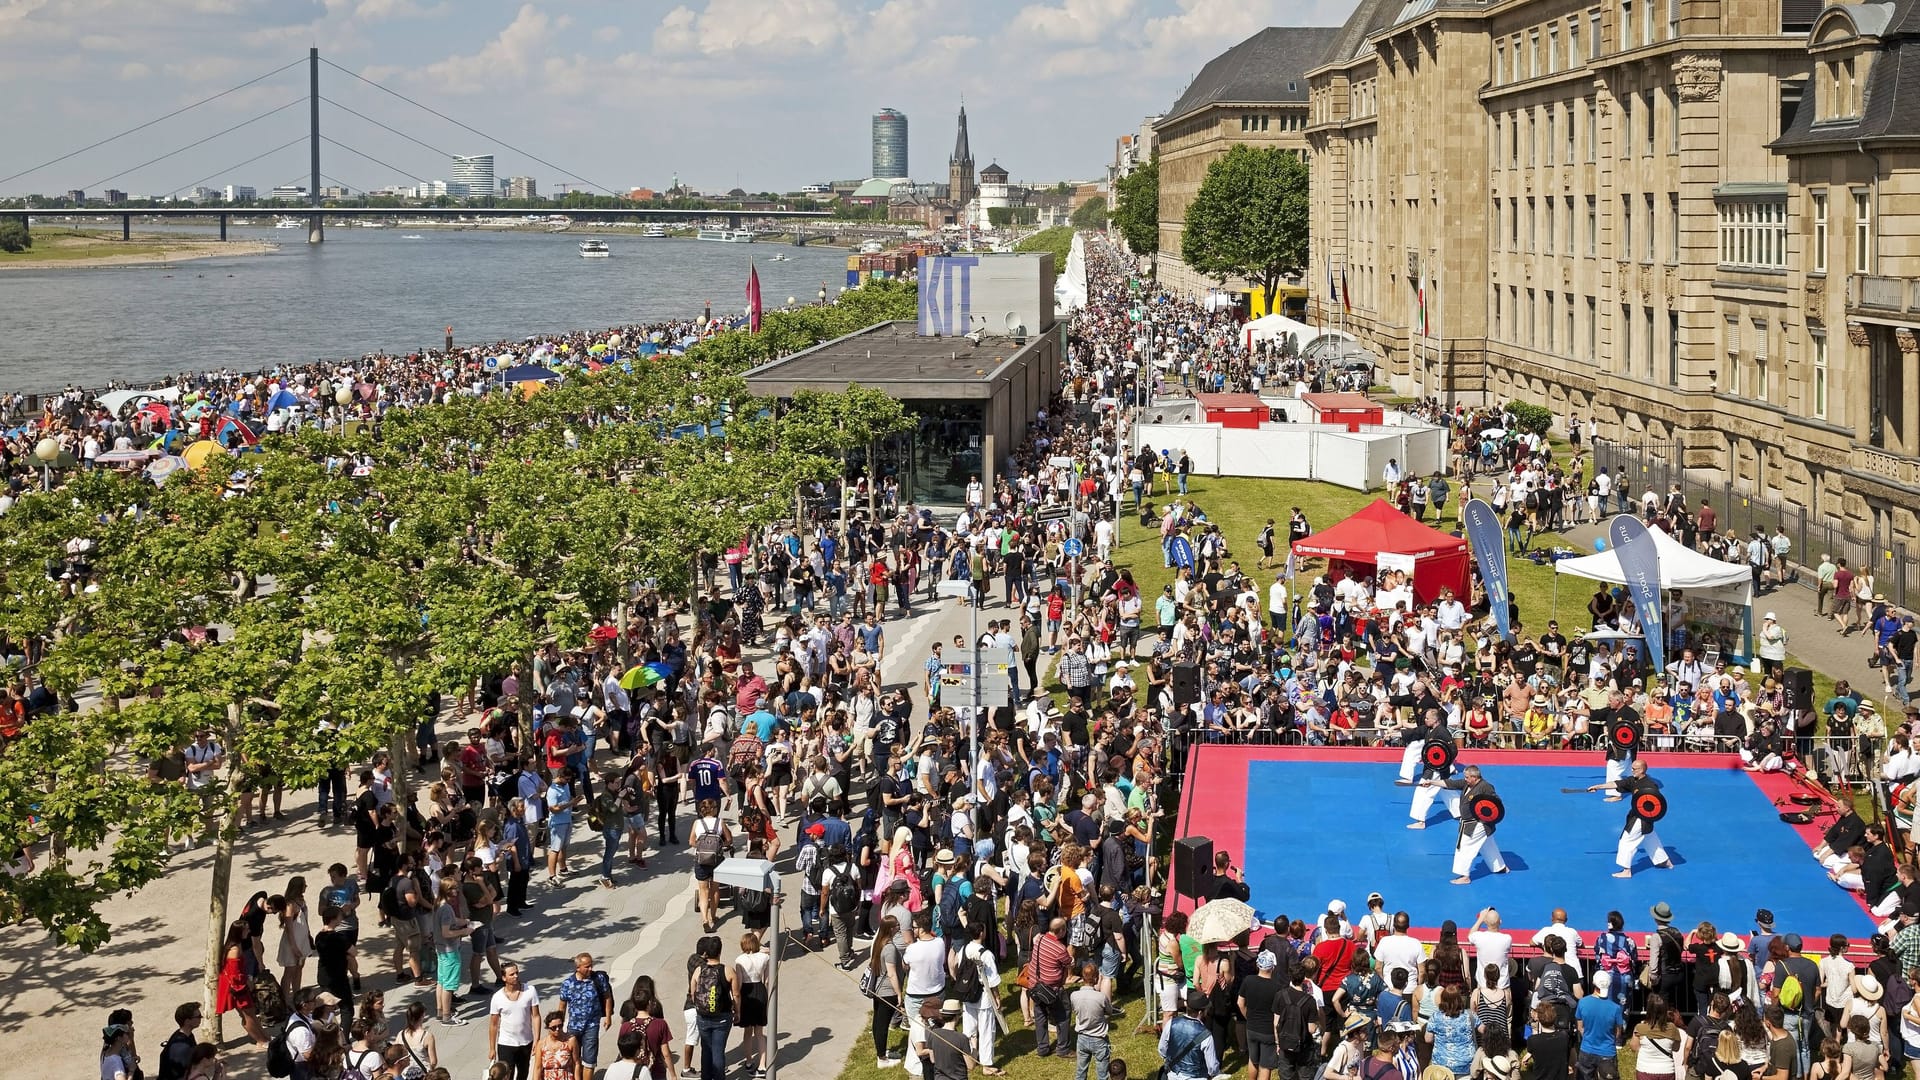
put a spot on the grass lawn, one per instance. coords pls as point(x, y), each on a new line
point(1015, 1047)
point(79, 245)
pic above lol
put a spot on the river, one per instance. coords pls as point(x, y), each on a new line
point(365, 290)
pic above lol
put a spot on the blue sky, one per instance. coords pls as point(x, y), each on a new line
point(763, 93)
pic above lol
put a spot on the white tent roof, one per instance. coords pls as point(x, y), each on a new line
point(1681, 567)
point(1272, 326)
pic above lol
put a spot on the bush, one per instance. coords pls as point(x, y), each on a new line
point(14, 237)
point(1531, 418)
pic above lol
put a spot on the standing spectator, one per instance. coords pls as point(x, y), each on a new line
point(176, 1054)
point(588, 1000)
point(1046, 988)
point(925, 960)
point(1599, 1020)
point(1091, 1007)
point(882, 983)
point(513, 1019)
point(1186, 1043)
point(715, 995)
point(449, 929)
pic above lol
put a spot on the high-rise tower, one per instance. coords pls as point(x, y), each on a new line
point(890, 145)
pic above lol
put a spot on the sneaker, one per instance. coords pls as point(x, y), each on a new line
point(454, 1021)
point(885, 1063)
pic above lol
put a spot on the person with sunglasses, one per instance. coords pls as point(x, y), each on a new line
point(557, 1054)
point(176, 1054)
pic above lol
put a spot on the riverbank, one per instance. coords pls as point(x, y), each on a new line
point(78, 248)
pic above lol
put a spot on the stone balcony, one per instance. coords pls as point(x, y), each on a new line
point(1872, 293)
point(1893, 468)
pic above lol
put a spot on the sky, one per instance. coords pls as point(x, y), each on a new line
point(761, 94)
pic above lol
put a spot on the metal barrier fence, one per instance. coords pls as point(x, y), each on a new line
point(1657, 467)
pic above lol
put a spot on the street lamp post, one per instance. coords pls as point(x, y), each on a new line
point(823, 294)
point(47, 451)
point(965, 590)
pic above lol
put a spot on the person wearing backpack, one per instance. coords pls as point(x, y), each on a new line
point(973, 979)
point(1795, 984)
point(840, 903)
point(290, 1053)
point(176, 1054)
point(1296, 1027)
point(715, 991)
point(711, 842)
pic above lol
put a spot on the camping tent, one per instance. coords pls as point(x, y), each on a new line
point(1681, 567)
point(1439, 559)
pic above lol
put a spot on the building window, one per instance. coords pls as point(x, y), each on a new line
point(1648, 101)
point(1759, 359)
point(1547, 246)
point(1550, 137)
point(1532, 322)
point(1673, 124)
point(1626, 125)
point(1623, 245)
point(1623, 333)
point(1533, 55)
point(1593, 130)
point(1496, 225)
point(1753, 234)
point(1593, 227)
point(1496, 314)
point(1673, 19)
point(1626, 25)
point(1733, 355)
point(1647, 12)
point(1862, 232)
point(1593, 330)
point(1513, 224)
point(1819, 200)
point(1648, 232)
point(1673, 348)
point(1819, 375)
point(1566, 305)
point(1593, 37)
point(1499, 63)
point(1553, 50)
point(1573, 41)
point(1513, 142)
point(1496, 143)
point(1532, 222)
point(1569, 151)
point(1673, 226)
point(1533, 143)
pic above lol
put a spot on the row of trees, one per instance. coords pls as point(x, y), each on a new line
point(335, 603)
point(1249, 219)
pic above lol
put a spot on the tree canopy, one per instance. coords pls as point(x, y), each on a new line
point(1092, 214)
point(1136, 208)
point(1249, 219)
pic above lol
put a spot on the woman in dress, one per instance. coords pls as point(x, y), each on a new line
point(332, 945)
point(237, 968)
point(296, 938)
point(752, 969)
point(1450, 1032)
point(555, 1053)
point(1617, 957)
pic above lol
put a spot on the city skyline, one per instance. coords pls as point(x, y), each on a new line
point(764, 97)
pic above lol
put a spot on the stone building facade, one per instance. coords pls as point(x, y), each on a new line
point(1254, 93)
point(1611, 209)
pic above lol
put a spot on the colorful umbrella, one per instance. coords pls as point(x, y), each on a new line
point(125, 457)
point(159, 469)
point(644, 675)
point(1220, 920)
point(161, 415)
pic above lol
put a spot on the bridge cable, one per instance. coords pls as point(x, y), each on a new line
point(474, 130)
point(396, 131)
point(230, 168)
point(199, 142)
point(373, 159)
point(150, 123)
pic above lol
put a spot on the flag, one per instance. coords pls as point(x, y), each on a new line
point(1490, 554)
point(1346, 301)
point(753, 298)
point(1423, 303)
point(1640, 567)
point(1333, 283)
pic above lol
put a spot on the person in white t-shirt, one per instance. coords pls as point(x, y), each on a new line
point(1558, 928)
point(1399, 950)
point(513, 1019)
point(1376, 923)
point(1491, 946)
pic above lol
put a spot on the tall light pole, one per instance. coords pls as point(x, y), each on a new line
point(965, 590)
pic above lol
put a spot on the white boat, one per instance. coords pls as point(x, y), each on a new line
point(778, 258)
point(594, 249)
point(289, 223)
point(872, 247)
point(726, 236)
point(413, 236)
point(370, 224)
point(656, 231)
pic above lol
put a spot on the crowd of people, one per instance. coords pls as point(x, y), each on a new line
point(946, 855)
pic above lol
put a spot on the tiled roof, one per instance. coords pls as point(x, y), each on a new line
point(1270, 66)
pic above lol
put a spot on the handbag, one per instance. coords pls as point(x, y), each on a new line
point(1876, 660)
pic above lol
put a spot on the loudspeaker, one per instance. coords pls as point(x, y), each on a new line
point(1799, 688)
point(1186, 684)
point(1192, 866)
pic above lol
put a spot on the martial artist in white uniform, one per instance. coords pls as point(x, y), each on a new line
point(1638, 833)
point(1427, 789)
point(1476, 836)
point(1619, 761)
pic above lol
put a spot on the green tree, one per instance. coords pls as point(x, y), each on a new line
point(14, 237)
point(1249, 219)
point(1136, 208)
point(1092, 214)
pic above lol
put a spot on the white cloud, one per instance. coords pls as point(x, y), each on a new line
point(765, 27)
point(378, 10)
point(607, 33)
point(516, 51)
point(134, 70)
point(1083, 21)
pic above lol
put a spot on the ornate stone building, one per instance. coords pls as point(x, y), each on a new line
point(1254, 93)
point(1638, 211)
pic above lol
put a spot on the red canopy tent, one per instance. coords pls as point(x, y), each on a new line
point(1440, 559)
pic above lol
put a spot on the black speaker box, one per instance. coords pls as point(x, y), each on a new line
point(1186, 684)
point(1192, 866)
point(1799, 688)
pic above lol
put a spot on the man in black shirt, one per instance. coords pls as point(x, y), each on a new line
point(1476, 836)
point(1638, 832)
point(1229, 882)
point(1256, 1005)
point(1553, 649)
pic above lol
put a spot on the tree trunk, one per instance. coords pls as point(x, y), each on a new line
point(220, 886)
point(842, 489)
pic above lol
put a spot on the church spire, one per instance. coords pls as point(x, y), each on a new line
point(962, 154)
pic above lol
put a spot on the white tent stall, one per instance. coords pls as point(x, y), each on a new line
point(1714, 597)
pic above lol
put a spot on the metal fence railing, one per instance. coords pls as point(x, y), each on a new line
point(1657, 466)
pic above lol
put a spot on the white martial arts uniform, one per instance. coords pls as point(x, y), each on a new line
point(1636, 836)
point(1424, 795)
point(1616, 770)
point(1410, 760)
point(1476, 841)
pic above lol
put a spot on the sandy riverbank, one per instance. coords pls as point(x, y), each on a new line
point(60, 249)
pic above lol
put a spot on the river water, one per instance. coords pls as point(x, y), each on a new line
point(369, 289)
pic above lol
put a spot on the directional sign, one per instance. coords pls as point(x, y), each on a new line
point(1072, 547)
point(956, 683)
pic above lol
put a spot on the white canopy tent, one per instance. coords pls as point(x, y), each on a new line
point(1681, 567)
point(1267, 327)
